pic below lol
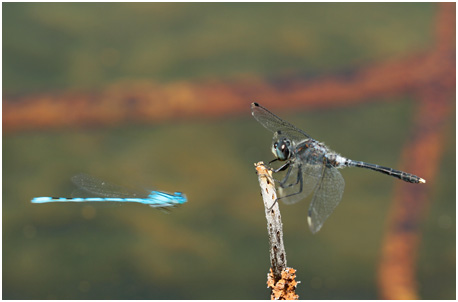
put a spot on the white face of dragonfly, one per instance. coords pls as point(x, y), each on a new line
point(281, 148)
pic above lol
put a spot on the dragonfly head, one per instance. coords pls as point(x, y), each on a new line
point(281, 147)
point(180, 197)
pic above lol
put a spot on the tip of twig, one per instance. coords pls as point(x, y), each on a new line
point(422, 181)
point(267, 185)
point(262, 169)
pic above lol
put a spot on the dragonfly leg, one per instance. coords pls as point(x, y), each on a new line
point(273, 160)
point(282, 168)
point(282, 183)
point(301, 183)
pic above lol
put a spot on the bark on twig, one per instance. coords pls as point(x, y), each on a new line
point(281, 279)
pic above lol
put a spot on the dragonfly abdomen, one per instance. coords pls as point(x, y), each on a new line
point(93, 199)
point(389, 171)
point(335, 160)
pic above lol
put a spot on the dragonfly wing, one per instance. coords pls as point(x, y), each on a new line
point(273, 123)
point(83, 193)
point(301, 181)
point(100, 187)
point(327, 196)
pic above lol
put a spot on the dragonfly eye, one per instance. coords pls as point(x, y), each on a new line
point(281, 149)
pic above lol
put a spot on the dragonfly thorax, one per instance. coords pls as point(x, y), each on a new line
point(281, 149)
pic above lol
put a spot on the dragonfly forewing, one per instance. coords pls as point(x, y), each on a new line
point(273, 123)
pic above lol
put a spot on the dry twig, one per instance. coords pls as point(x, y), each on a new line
point(281, 279)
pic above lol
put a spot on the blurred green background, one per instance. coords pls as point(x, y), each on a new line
point(216, 245)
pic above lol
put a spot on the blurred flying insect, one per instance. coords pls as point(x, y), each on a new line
point(106, 192)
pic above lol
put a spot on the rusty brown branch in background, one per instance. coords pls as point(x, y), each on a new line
point(397, 268)
point(150, 102)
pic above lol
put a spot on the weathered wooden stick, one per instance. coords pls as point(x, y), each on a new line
point(281, 279)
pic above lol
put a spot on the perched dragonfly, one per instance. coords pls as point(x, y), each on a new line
point(112, 193)
point(311, 167)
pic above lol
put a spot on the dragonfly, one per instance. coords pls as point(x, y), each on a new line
point(107, 192)
point(310, 166)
